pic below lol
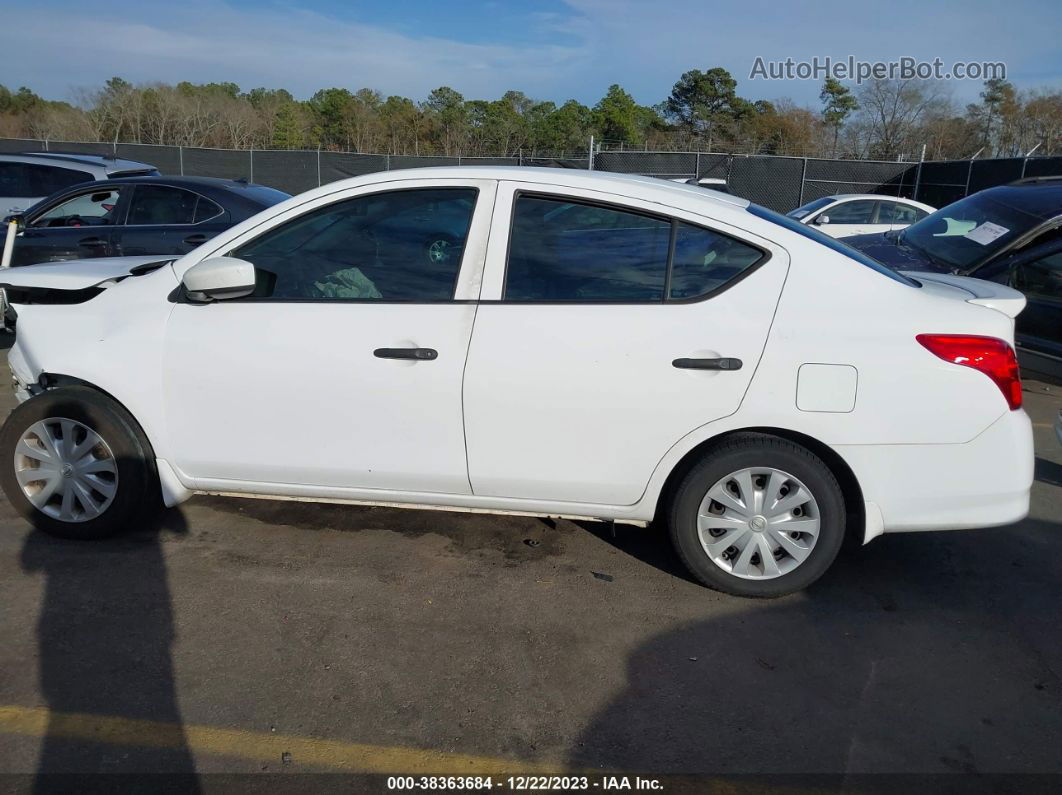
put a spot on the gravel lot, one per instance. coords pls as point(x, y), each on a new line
point(249, 631)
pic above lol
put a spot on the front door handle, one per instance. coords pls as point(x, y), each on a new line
point(707, 364)
point(92, 242)
point(420, 354)
point(195, 240)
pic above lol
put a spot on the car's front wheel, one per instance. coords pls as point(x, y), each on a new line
point(758, 516)
point(76, 464)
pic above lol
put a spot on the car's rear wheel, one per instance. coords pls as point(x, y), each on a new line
point(76, 465)
point(758, 516)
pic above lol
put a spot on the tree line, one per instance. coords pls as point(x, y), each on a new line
point(881, 119)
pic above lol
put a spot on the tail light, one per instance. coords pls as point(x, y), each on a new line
point(991, 356)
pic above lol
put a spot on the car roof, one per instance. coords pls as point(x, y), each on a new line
point(605, 181)
point(108, 164)
point(233, 193)
point(1039, 199)
point(872, 196)
point(183, 182)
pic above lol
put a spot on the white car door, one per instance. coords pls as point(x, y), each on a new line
point(850, 217)
point(580, 375)
point(344, 368)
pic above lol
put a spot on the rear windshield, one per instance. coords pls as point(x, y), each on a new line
point(829, 242)
point(810, 207)
point(264, 196)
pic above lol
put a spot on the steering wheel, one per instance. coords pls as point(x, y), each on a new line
point(73, 220)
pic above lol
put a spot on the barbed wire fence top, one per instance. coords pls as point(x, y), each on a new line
point(778, 182)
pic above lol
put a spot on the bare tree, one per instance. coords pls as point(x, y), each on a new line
point(893, 110)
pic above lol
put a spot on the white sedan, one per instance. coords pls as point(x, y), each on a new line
point(848, 214)
point(533, 341)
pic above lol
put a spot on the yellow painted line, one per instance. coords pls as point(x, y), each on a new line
point(260, 746)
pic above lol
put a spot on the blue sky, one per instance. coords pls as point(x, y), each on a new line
point(550, 49)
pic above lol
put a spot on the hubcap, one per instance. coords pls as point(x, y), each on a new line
point(66, 470)
point(439, 251)
point(758, 523)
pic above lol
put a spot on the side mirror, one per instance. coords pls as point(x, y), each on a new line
point(218, 278)
point(16, 217)
point(821, 219)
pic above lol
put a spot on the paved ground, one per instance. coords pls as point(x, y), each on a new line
point(245, 633)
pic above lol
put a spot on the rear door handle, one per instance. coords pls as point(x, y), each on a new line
point(195, 240)
point(92, 242)
point(421, 354)
point(707, 364)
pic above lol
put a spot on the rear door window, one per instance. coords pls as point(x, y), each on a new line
point(161, 205)
point(853, 212)
point(32, 180)
point(1041, 278)
point(705, 260)
point(46, 180)
point(568, 251)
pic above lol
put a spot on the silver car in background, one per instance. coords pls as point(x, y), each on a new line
point(26, 178)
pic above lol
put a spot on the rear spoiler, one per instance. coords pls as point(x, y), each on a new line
point(983, 293)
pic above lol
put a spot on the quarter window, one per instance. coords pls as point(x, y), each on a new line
point(561, 250)
point(704, 261)
point(396, 246)
point(206, 209)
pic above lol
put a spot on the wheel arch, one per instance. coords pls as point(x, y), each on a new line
point(55, 380)
point(855, 510)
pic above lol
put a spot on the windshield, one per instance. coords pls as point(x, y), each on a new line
point(969, 231)
point(810, 207)
point(831, 243)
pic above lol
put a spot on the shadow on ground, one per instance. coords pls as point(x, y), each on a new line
point(104, 645)
point(921, 653)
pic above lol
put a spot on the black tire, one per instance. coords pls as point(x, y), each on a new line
point(757, 450)
point(137, 495)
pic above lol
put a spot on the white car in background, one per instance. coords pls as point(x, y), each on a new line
point(849, 214)
point(591, 346)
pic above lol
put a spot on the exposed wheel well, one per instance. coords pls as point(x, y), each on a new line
point(846, 479)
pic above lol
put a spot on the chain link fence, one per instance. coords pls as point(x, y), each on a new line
point(780, 183)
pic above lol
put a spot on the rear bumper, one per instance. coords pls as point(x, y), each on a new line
point(982, 483)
